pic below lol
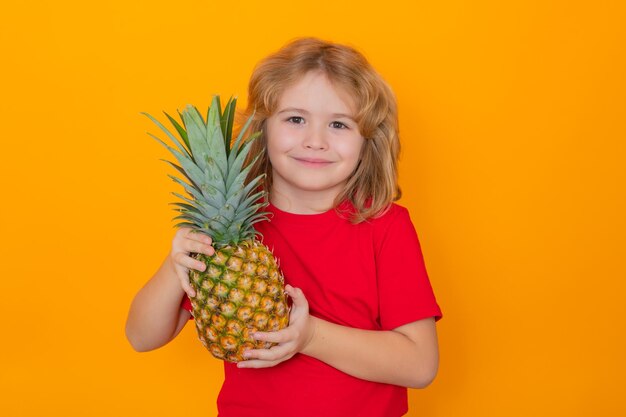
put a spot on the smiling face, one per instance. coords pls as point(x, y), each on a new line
point(313, 144)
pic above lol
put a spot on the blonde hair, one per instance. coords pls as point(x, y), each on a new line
point(373, 186)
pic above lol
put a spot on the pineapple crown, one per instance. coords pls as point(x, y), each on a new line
point(219, 202)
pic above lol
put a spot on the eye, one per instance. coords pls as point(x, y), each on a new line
point(295, 119)
point(339, 125)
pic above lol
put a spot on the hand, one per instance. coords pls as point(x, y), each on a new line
point(185, 242)
point(291, 340)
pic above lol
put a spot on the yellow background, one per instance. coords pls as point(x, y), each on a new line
point(513, 127)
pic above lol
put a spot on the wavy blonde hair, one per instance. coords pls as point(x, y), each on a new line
point(373, 186)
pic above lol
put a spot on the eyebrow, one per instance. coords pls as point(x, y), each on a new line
point(287, 109)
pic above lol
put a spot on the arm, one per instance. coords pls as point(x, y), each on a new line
point(156, 316)
point(406, 356)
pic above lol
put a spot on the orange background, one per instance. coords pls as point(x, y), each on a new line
point(513, 126)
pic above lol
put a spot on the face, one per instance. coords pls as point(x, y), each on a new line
point(313, 143)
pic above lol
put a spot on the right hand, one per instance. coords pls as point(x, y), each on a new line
point(187, 241)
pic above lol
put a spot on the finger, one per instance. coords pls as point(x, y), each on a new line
point(199, 237)
point(293, 292)
point(280, 336)
point(187, 288)
point(182, 265)
point(183, 231)
point(183, 277)
point(257, 364)
point(197, 246)
point(299, 301)
point(276, 353)
point(188, 262)
point(181, 234)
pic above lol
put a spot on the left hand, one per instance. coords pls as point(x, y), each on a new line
point(291, 340)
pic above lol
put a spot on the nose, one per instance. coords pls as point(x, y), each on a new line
point(316, 139)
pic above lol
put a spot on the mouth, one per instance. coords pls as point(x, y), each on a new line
point(313, 161)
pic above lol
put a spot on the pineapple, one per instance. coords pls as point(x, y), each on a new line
point(242, 289)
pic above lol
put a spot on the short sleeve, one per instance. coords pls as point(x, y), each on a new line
point(404, 289)
point(186, 304)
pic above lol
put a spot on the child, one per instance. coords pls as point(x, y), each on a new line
point(362, 324)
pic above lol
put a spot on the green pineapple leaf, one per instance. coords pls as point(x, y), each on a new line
point(168, 133)
point(181, 131)
point(226, 121)
point(183, 172)
point(185, 224)
point(185, 207)
point(190, 189)
point(185, 138)
point(215, 137)
point(213, 170)
point(196, 133)
point(237, 144)
point(191, 169)
point(234, 171)
point(207, 210)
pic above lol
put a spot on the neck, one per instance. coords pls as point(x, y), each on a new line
point(302, 202)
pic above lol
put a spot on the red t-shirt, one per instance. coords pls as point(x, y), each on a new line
point(368, 276)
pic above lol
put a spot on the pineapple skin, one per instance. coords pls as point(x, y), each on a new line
point(241, 291)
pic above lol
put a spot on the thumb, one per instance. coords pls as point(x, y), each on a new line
point(297, 296)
